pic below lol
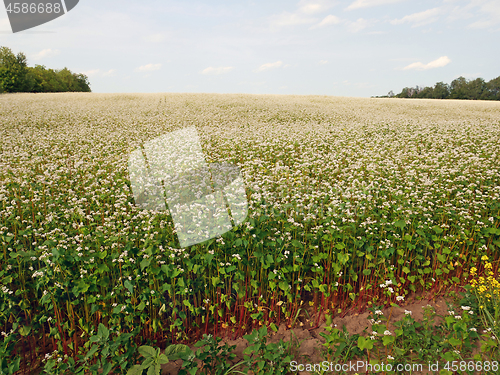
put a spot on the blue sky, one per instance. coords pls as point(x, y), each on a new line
point(342, 48)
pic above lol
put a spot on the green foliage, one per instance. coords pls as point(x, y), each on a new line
point(214, 357)
point(266, 359)
point(460, 88)
point(8, 366)
point(105, 351)
point(75, 251)
point(49, 80)
point(342, 345)
point(13, 71)
point(154, 359)
point(16, 76)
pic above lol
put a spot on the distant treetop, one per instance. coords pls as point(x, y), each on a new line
point(460, 88)
point(17, 76)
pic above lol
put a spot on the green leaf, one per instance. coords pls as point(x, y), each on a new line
point(102, 331)
point(173, 351)
point(154, 370)
point(148, 362)
point(24, 330)
point(283, 285)
point(437, 229)
point(400, 224)
point(163, 359)
point(364, 343)
point(95, 338)
point(106, 368)
point(455, 342)
point(102, 268)
point(141, 306)
point(129, 286)
point(147, 351)
point(388, 340)
point(92, 351)
point(135, 370)
point(343, 258)
point(215, 280)
point(144, 263)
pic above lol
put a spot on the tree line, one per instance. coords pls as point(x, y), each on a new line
point(460, 88)
point(17, 76)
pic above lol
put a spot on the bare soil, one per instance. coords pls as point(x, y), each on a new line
point(310, 350)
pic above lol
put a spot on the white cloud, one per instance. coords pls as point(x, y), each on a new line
point(95, 72)
point(215, 71)
point(328, 20)
point(420, 18)
point(252, 83)
point(491, 15)
point(483, 24)
point(323, 62)
point(358, 25)
point(109, 73)
point(310, 8)
point(148, 68)
point(489, 12)
point(358, 4)
point(46, 53)
point(438, 63)
point(302, 16)
point(267, 66)
point(485, 12)
point(469, 75)
point(155, 38)
point(92, 72)
point(290, 19)
point(313, 7)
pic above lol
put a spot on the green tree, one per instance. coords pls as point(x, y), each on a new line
point(476, 88)
point(458, 88)
point(13, 71)
point(405, 93)
point(16, 76)
point(493, 89)
point(82, 82)
point(441, 91)
point(426, 92)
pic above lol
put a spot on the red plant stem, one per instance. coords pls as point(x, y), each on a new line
point(235, 312)
point(206, 322)
point(60, 331)
point(43, 338)
point(216, 314)
point(24, 354)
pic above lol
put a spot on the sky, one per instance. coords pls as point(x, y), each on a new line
point(357, 48)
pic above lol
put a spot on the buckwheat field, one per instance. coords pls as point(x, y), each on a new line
point(352, 203)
